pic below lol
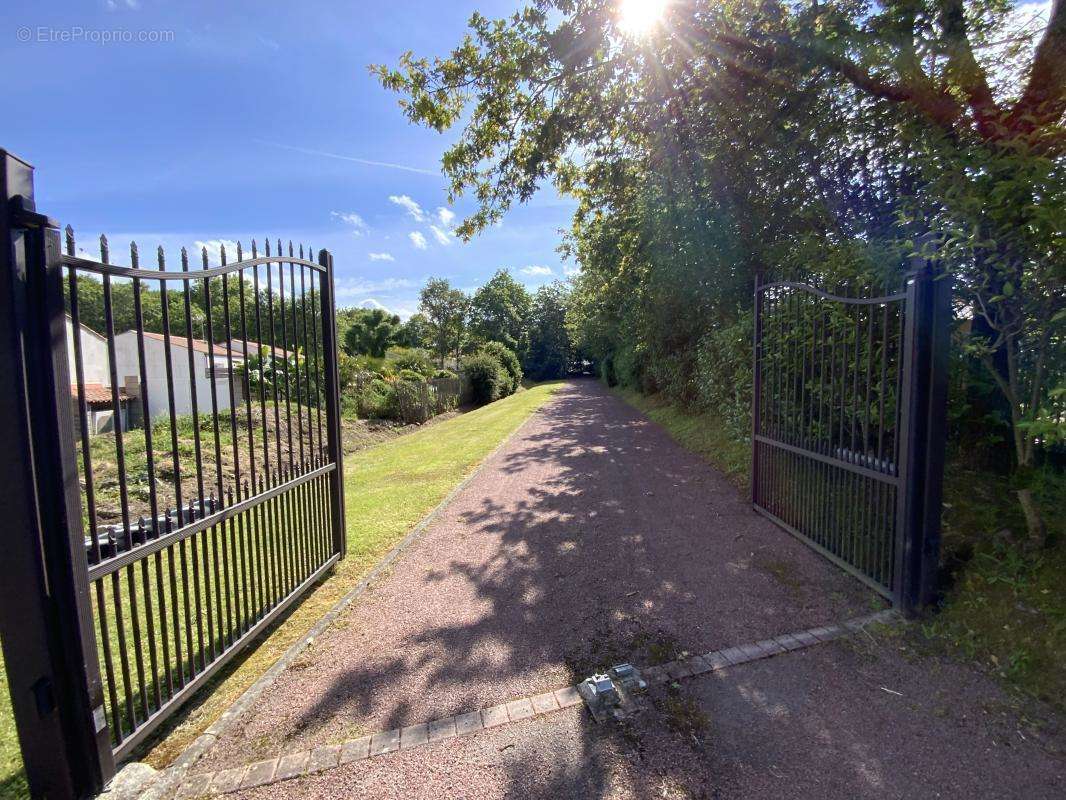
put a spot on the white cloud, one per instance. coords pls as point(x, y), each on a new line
point(445, 216)
point(537, 271)
point(359, 226)
point(571, 271)
point(370, 302)
point(418, 239)
point(268, 42)
point(214, 251)
point(442, 237)
point(413, 208)
point(351, 288)
point(381, 257)
point(405, 310)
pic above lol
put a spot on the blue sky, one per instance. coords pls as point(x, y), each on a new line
point(256, 118)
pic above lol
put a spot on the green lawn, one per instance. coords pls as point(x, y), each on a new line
point(12, 781)
point(389, 487)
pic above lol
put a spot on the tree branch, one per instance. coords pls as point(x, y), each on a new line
point(936, 105)
point(1044, 100)
point(969, 74)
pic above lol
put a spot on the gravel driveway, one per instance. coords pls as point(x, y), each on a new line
point(592, 538)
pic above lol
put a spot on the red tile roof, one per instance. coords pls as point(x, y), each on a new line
point(96, 394)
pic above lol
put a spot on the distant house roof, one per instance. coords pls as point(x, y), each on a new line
point(96, 394)
point(199, 345)
point(85, 328)
point(254, 348)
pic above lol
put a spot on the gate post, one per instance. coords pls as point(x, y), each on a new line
point(923, 425)
point(333, 403)
point(45, 621)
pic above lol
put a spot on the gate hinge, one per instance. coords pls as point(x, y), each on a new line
point(24, 213)
point(45, 697)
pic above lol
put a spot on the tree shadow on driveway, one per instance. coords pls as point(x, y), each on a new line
point(591, 538)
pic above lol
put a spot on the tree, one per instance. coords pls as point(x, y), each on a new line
point(415, 332)
point(447, 311)
point(820, 140)
point(499, 312)
point(550, 351)
point(371, 331)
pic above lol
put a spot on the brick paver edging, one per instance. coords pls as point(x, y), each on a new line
point(305, 762)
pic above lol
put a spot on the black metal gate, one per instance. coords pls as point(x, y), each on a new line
point(848, 426)
point(184, 465)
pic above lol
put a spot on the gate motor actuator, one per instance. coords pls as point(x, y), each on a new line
point(611, 695)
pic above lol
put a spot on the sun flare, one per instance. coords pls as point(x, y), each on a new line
point(639, 17)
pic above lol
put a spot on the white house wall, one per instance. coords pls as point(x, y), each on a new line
point(156, 379)
point(93, 355)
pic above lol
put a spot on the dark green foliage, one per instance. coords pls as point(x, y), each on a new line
point(509, 361)
point(415, 333)
point(499, 312)
point(550, 350)
point(488, 378)
point(91, 310)
point(367, 397)
point(267, 373)
point(722, 376)
point(370, 332)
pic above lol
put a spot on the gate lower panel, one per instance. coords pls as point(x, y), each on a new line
point(849, 517)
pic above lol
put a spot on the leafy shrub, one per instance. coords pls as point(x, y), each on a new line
point(372, 364)
point(489, 380)
point(444, 374)
point(367, 396)
point(723, 377)
point(406, 358)
point(411, 376)
point(509, 361)
point(268, 373)
point(347, 367)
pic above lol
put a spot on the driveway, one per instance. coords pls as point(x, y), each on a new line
point(591, 538)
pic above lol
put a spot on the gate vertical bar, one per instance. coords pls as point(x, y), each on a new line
point(45, 621)
point(756, 390)
point(332, 387)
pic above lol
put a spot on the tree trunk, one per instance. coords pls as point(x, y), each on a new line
point(1034, 521)
point(1012, 389)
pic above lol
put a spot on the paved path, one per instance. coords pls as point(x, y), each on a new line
point(591, 538)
